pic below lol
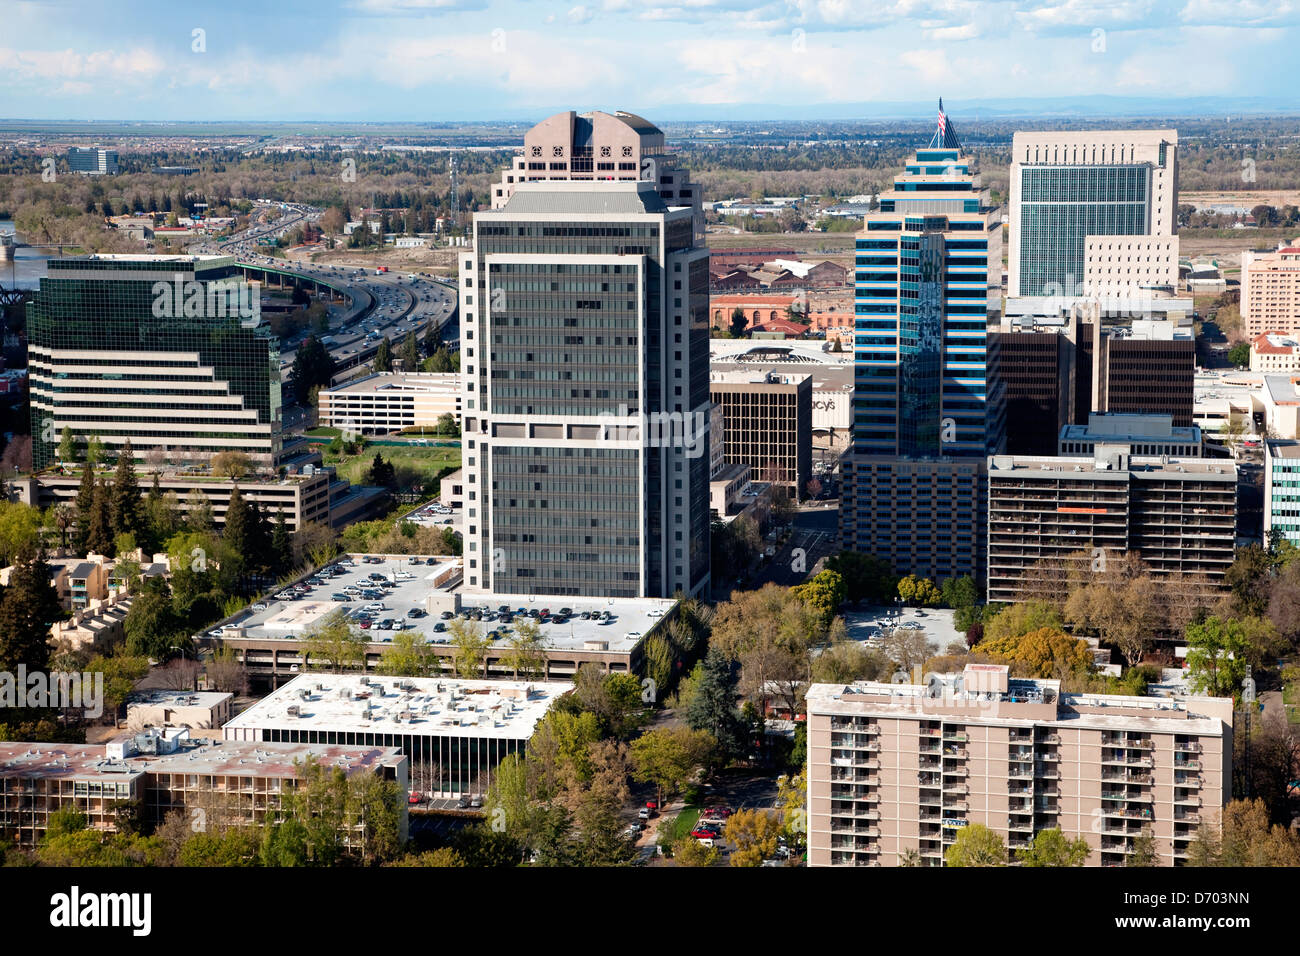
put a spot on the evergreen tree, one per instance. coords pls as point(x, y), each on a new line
point(432, 339)
point(238, 535)
point(713, 708)
point(383, 356)
point(281, 545)
point(99, 536)
point(259, 541)
point(410, 353)
point(125, 497)
point(85, 506)
point(28, 609)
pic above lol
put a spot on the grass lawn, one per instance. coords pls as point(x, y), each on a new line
point(322, 432)
point(681, 826)
point(424, 462)
point(1291, 702)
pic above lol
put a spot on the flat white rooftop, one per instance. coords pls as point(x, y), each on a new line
point(407, 706)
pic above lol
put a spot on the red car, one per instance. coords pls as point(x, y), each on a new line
point(652, 804)
point(415, 798)
point(706, 831)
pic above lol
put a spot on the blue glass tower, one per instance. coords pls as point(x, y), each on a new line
point(927, 406)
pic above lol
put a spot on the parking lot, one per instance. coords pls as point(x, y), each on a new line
point(386, 594)
point(868, 625)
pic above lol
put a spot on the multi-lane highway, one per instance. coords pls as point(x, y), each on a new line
point(381, 305)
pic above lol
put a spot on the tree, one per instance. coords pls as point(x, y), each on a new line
point(689, 851)
point(99, 536)
point(755, 834)
point(152, 625)
point(1123, 604)
point(383, 356)
point(1046, 652)
point(68, 446)
point(976, 845)
point(1249, 576)
point(1244, 838)
point(409, 655)
point(850, 661)
point(668, 757)
point(1239, 354)
point(281, 545)
point(94, 451)
point(85, 506)
point(920, 592)
point(866, 578)
point(713, 706)
point(231, 464)
point(824, 592)
point(960, 592)
point(312, 366)
point(738, 323)
point(239, 537)
point(410, 352)
point(526, 651)
point(1051, 848)
point(381, 473)
point(1218, 653)
point(334, 643)
point(472, 647)
point(1143, 852)
point(906, 647)
point(29, 606)
point(124, 503)
point(1016, 620)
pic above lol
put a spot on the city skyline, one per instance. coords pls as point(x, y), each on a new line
point(406, 59)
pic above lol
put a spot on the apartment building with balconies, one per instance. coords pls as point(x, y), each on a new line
point(897, 770)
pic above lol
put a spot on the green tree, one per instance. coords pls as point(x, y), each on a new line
point(238, 535)
point(94, 450)
point(668, 757)
point(824, 592)
point(1239, 354)
point(383, 356)
point(738, 323)
point(85, 507)
point(1218, 653)
point(334, 642)
point(99, 536)
point(713, 707)
point(960, 592)
point(69, 447)
point(281, 545)
point(29, 606)
point(152, 625)
point(866, 578)
point(472, 646)
point(1143, 851)
point(1016, 620)
point(409, 655)
point(124, 503)
point(1052, 848)
point(920, 592)
point(312, 366)
point(976, 845)
point(526, 651)
point(410, 352)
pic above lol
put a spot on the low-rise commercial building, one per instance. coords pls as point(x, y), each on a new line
point(391, 401)
point(1271, 352)
point(168, 773)
point(455, 732)
point(901, 769)
point(201, 710)
point(767, 424)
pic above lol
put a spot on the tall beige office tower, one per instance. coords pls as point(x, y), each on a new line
point(1093, 214)
point(601, 146)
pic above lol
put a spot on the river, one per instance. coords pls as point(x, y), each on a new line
point(27, 267)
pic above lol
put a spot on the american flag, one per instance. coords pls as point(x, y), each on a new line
point(943, 122)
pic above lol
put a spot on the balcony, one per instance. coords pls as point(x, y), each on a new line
point(1186, 780)
point(951, 736)
point(1187, 765)
point(1051, 756)
point(1021, 824)
point(955, 805)
point(1127, 776)
point(1051, 739)
point(1188, 748)
point(1187, 818)
point(1129, 813)
point(959, 788)
point(1047, 772)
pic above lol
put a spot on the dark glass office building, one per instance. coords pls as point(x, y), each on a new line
point(168, 351)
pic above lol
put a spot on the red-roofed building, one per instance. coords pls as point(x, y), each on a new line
point(1274, 352)
point(791, 330)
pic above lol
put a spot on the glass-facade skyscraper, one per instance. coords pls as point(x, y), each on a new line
point(927, 405)
point(168, 351)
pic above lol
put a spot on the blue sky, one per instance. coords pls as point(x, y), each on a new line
point(431, 60)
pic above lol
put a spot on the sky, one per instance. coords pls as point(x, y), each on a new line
point(435, 60)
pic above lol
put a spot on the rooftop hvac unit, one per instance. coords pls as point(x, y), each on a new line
point(294, 710)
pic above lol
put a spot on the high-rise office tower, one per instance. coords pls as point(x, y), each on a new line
point(585, 367)
point(1093, 214)
point(168, 351)
point(927, 405)
point(594, 146)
